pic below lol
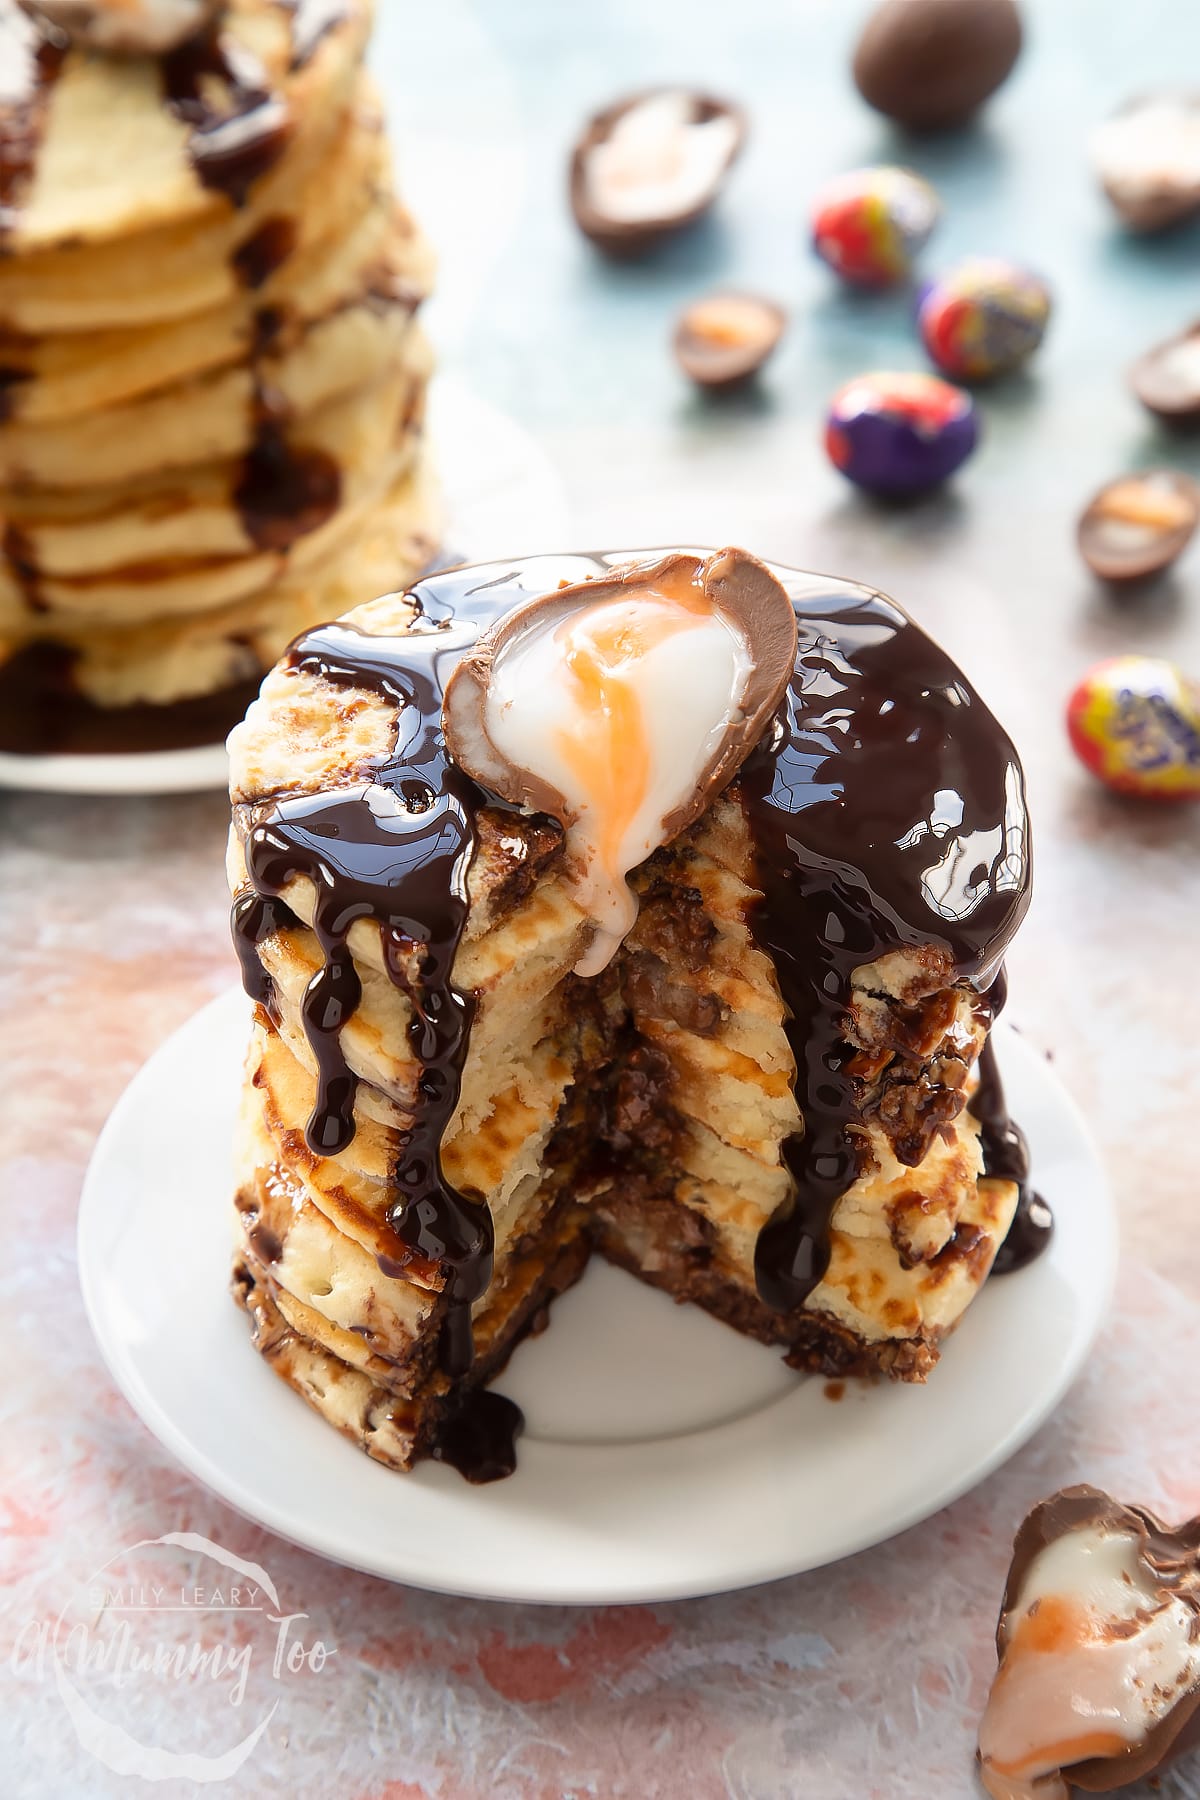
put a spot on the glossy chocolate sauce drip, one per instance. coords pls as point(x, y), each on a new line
point(1006, 1155)
point(284, 490)
point(887, 811)
point(265, 250)
point(232, 145)
point(479, 1439)
point(42, 712)
point(255, 917)
point(394, 849)
point(313, 20)
point(31, 58)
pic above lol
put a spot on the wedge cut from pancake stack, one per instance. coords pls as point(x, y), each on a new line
point(651, 908)
point(212, 375)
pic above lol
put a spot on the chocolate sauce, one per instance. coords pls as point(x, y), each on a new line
point(284, 490)
point(231, 146)
point(394, 849)
point(887, 811)
point(1006, 1156)
point(31, 59)
point(313, 20)
point(265, 250)
point(11, 379)
point(255, 917)
point(479, 1439)
point(20, 559)
point(42, 713)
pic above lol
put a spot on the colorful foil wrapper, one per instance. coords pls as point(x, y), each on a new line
point(1134, 721)
point(900, 433)
point(983, 318)
point(871, 224)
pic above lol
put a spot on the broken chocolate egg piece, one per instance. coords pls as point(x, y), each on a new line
point(726, 338)
point(1166, 379)
point(1099, 1651)
point(126, 27)
point(1137, 525)
point(650, 164)
point(622, 707)
point(1148, 159)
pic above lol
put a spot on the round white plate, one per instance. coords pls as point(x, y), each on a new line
point(502, 497)
point(663, 1455)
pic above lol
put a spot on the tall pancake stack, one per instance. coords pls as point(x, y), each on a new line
point(757, 1099)
point(213, 381)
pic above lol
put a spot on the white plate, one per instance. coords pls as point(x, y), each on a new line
point(663, 1455)
point(502, 497)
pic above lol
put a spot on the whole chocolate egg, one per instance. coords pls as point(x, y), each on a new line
point(930, 64)
point(983, 318)
point(900, 433)
point(1134, 721)
point(870, 224)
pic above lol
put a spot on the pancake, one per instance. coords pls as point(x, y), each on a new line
point(177, 270)
point(813, 1162)
point(212, 382)
point(124, 143)
point(182, 655)
point(66, 376)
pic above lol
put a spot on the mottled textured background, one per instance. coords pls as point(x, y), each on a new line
point(862, 1682)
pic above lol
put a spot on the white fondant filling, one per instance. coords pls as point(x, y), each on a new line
point(658, 160)
point(621, 707)
point(1065, 1685)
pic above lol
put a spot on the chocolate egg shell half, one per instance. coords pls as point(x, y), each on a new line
point(1134, 721)
point(900, 434)
point(930, 64)
point(983, 318)
point(730, 582)
point(1137, 525)
point(869, 225)
point(1147, 156)
point(651, 164)
point(725, 338)
point(1165, 1574)
point(1166, 379)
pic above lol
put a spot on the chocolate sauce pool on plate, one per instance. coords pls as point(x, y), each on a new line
point(887, 811)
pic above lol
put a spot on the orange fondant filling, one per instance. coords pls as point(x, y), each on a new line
point(1055, 1626)
point(607, 746)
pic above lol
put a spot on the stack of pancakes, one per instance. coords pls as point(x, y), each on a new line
point(642, 1113)
point(212, 377)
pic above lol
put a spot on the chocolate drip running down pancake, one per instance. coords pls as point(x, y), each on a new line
point(853, 891)
point(212, 378)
